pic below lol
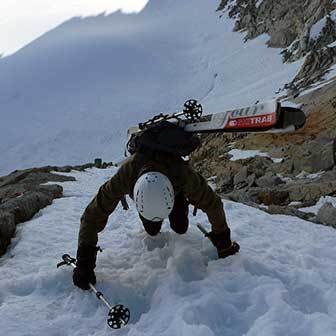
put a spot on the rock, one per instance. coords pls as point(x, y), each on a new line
point(36, 177)
point(65, 169)
point(52, 190)
point(327, 215)
point(7, 230)
point(224, 183)
point(26, 206)
point(268, 181)
point(276, 197)
point(243, 196)
point(83, 167)
point(23, 194)
point(251, 179)
point(315, 67)
point(289, 211)
point(326, 177)
point(241, 177)
point(14, 177)
point(98, 163)
point(286, 167)
point(314, 156)
point(308, 192)
point(258, 165)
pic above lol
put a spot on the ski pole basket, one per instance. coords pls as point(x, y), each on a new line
point(118, 315)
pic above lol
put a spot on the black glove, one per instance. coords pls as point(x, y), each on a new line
point(81, 278)
point(84, 274)
point(233, 249)
point(222, 241)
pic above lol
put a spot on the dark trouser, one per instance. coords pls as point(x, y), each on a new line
point(178, 218)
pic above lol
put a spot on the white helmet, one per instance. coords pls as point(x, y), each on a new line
point(154, 196)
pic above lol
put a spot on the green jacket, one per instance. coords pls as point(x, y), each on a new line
point(184, 179)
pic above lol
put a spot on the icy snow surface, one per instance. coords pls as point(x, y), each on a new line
point(315, 208)
point(70, 95)
point(282, 282)
point(317, 28)
point(238, 154)
point(304, 175)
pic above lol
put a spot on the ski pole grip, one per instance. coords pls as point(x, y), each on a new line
point(67, 260)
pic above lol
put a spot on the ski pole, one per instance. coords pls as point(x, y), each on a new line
point(118, 315)
point(202, 229)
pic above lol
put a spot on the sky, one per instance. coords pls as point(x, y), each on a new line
point(22, 21)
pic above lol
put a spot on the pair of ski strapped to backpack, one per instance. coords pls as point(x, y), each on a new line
point(178, 135)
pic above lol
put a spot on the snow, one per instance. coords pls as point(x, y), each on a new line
point(294, 203)
point(281, 283)
point(284, 178)
point(331, 73)
point(317, 28)
point(212, 182)
point(258, 3)
point(238, 154)
point(288, 103)
point(304, 175)
point(70, 95)
point(315, 208)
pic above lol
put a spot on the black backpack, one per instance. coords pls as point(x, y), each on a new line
point(164, 137)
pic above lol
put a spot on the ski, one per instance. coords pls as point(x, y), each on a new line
point(266, 117)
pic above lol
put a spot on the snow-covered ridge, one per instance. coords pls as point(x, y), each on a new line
point(28, 20)
point(70, 95)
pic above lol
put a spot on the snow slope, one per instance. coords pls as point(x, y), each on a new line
point(70, 95)
point(282, 282)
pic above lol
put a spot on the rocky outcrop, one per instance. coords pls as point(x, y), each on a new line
point(311, 157)
point(327, 215)
point(24, 193)
point(7, 230)
point(306, 173)
point(285, 197)
point(22, 196)
point(301, 28)
point(317, 64)
point(284, 21)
